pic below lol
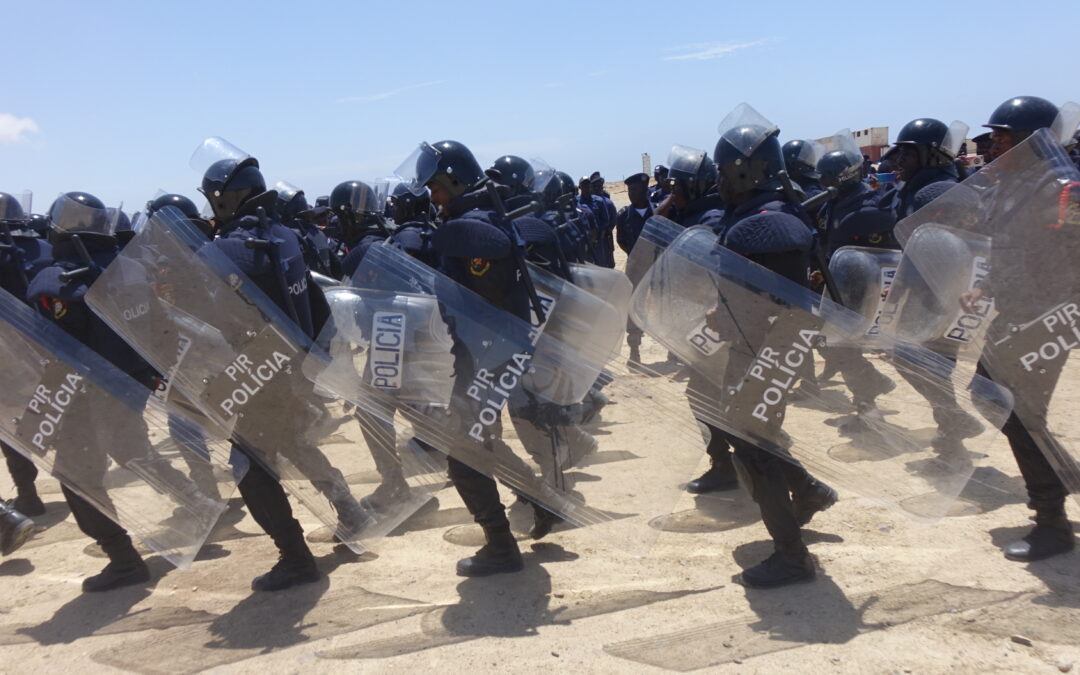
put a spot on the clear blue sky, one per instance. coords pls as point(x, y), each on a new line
point(113, 97)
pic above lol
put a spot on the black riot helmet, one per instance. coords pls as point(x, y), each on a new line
point(549, 187)
point(748, 158)
point(842, 162)
point(407, 206)
point(122, 229)
point(748, 155)
point(931, 138)
point(79, 213)
point(513, 172)
point(122, 223)
point(39, 224)
point(228, 183)
point(567, 186)
point(1023, 115)
point(11, 210)
point(353, 199)
point(449, 163)
point(290, 201)
point(180, 202)
point(184, 206)
point(357, 207)
point(692, 170)
point(838, 169)
point(801, 157)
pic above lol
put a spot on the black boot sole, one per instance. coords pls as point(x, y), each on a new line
point(297, 580)
point(777, 584)
point(135, 578)
point(465, 570)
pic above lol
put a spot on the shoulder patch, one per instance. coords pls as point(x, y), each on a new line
point(57, 306)
point(478, 267)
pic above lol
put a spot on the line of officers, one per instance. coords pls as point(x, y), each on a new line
point(446, 219)
point(455, 226)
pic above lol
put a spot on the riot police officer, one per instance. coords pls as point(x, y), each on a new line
point(83, 245)
point(1014, 120)
point(122, 230)
point(800, 160)
point(761, 224)
point(476, 249)
point(360, 223)
point(243, 209)
point(1011, 123)
point(852, 218)
point(412, 213)
point(692, 176)
point(660, 189)
point(185, 206)
point(293, 210)
point(22, 256)
point(923, 154)
point(516, 175)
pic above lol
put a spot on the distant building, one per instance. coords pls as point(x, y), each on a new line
point(873, 141)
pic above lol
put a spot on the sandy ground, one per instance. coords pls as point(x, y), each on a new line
point(892, 596)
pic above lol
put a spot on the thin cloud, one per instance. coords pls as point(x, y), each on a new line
point(16, 129)
point(382, 95)
point(705, 51)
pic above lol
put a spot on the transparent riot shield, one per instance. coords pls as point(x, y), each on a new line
point(102, 435)
point(519, 403)
point(863, 277)
point(1027, 205)
point(751, 333)
point(922, 306)
point(611, 286)
point(171, 290)
point(654, 238)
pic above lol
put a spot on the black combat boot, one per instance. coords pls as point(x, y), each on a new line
point(500, 555)
point(15, 529)
point(126, 568)
point(28, 502)
point(1052, 535)
point(392, 490)
point(781, 569)
point(814, 499)
point(543, 521)
point(720, 476)
point(295, 566)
